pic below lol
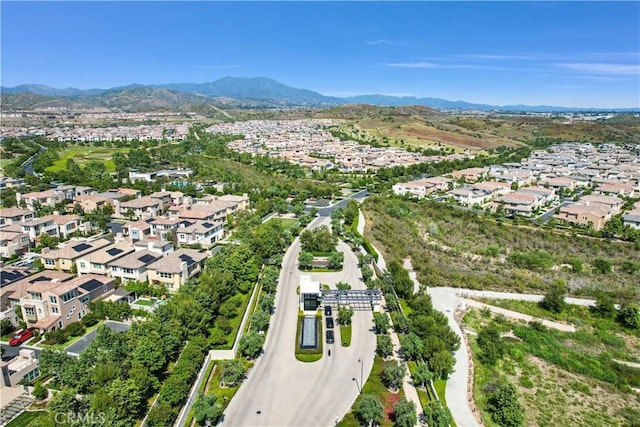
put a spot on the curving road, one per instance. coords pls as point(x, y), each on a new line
point(282, 391)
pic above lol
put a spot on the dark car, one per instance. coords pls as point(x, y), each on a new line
point(329, 322)
point(21, 337)
point(327, 310)
point(330, 337)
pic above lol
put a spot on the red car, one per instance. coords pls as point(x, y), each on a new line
point(21, 337)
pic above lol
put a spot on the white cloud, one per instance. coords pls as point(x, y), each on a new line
point(379, 41)
point(602, 68)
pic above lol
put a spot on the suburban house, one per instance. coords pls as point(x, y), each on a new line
point(624, 189)
point(97, 262)
point(612, 204)
point(470, 174)
point(48, 305)
point(143, 207)
point(516, 203)
point(53, 225)
point(13, 371)
point(90, 203)
point(202, 233)
point(561, 182)
point(70, 192)
point(135, 175)
point(164, 197)
point(10, 216)
point(176, 268)
point(469, 196)
point(133, 267)
point(632, 218)
point(418, 189)
point(13, 241)
point(12, 273)
point(495, 188)
point(43, 198)
point(137, 230)
point(164, 228)
point(65, 258)
point(161, 247)
point(547, 195)
point(10, 294)
point(577, 213)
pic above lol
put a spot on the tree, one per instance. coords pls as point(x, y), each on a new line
point(233, 371)
point(554, 298)
point(162, 415)
point(421, 375)
point(259, 321)
point(604, 307)
point(411, 346)
point(629, 315)
point(504, 406)
point(491, 344)
point(393, 374)
point(344, 315)
point(39, 391)
point(369, 409)
point(305, 260)
point(250, 345)
point(384, 345)
point(335, 260)
point(206, 408)
point(437, 415)
point(6, 327)
point(381, 323)
point(149, 354)
point(343, 286)
point(441, 364)
point(405, 411)
point(602, 265)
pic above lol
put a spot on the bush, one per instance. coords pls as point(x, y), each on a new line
point(74, 329)
point(39, 391)
point(602, 265)
point(504, 406)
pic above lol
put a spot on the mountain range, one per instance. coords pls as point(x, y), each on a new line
point(229, 92)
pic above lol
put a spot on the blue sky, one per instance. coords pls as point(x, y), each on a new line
point(582, 54)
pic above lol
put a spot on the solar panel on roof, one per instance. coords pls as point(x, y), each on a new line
point(147, 258)
point(10, 276)
point(81, 247)
point(39, 279)
point(207, 224)
point(114, 251)
point(91, 285)
point(186, 258)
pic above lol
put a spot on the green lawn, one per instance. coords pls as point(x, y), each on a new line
point(345, 335)
point(27, 418)
point(144, 302)
point(286, 222)
point(312, 354)
point(87, 154)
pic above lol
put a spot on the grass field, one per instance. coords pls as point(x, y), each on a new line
point(27, 418)
point(87, 154)
point(285, 222)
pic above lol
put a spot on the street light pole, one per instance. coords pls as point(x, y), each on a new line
point(361, 373)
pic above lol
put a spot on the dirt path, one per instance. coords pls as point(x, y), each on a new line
point(519, 316)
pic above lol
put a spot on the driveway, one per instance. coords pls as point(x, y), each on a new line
point(79, 346)
point(282, 391)
point(326, 211)
point(9, 352)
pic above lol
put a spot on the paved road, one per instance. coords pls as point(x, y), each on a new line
point(282, 391)
point(10, 352)
point(545, 217)
point(360, 195)
point(80, 345)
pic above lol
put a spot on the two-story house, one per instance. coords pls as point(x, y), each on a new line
point(133, 267)
point(203, 233)
point(10, 216)
point(176, 268)
point(144, 207)
point(65, 257)
point(98, 262)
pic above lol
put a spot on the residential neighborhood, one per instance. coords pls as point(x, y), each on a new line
point(582, 183)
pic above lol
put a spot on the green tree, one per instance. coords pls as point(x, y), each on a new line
point(259, 321)
point(602, 265)
point(604, 307)
point(305, 260)
point(40, 392)
point(335, 260)
point(206, 408)
point(554, 297)
point(381, 323)
point(344, 315)
point(368, 409)
point(149, 354)
point(405, 411)
point(411, 346)
point(421, 375)
point(437, 415)
point(629, 315)
point(504, 406)
point(393, 374)
point(162, 415)
point(343, 286)
point(250, 345)
point(233, 371)
point(441, 364)
point(384, 346)
point(492, 346)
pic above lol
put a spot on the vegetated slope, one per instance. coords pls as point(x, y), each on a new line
point(141, 98)
point(454, 247)
point(412, 126)
point(27, 100)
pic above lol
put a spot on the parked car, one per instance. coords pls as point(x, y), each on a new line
point(330, 337)
point(327, 310)
point(329, 322)
point(21, 337)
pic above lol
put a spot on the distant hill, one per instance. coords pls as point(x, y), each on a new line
point(29, 100)
point(257, 88)
point(256, 92)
